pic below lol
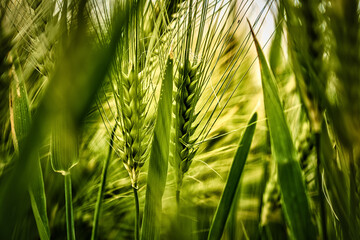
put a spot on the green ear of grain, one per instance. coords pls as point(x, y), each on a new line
point(226, 201)
point(158, 163)
point(294, 196)
point(20, 125)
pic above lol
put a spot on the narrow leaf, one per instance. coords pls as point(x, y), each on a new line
point(232, 182)
point(158, 164)
point(291, 182)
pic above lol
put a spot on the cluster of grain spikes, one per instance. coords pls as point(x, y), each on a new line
point(186, 99)
point(133, 112)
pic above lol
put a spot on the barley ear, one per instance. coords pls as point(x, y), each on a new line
point(186, 99)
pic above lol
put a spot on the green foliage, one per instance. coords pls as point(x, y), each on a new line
point(61, 94)
point(20, 123)
point(289, 174)
point(319, 47)
point(113, 91)
point(226, 201)
point(158, 162)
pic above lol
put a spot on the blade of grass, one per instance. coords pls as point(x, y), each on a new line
point(158, 163)
point(20, 125)
point(226, 201)
point(294, 196)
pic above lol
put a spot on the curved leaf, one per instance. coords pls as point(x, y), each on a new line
point(292, 186)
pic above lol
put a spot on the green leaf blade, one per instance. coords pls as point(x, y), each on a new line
point(158, 164)
point(294, 196)
point(232, 183)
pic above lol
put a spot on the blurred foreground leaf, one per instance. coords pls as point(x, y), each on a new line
point(79, 73)
point(20, 123)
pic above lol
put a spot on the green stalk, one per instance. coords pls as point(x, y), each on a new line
point(137, 214)
point(178, 206)
point(64, 152)
point(70, 228)
point(94, 232)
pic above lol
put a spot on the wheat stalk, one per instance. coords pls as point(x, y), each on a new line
point(135, 140)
